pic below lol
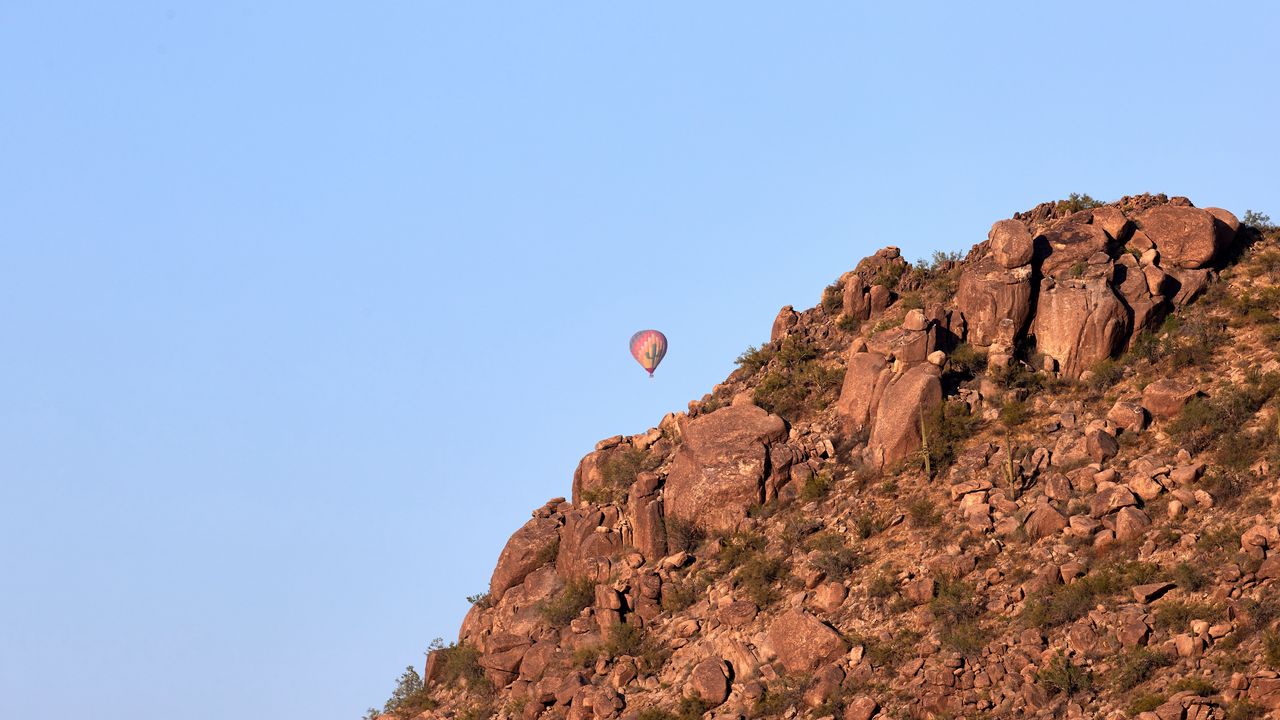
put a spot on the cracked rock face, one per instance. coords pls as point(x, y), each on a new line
point(720, 469)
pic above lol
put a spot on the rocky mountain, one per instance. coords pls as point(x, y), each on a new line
point(1035, 482)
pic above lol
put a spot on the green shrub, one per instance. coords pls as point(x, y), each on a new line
point(1144, 703)
point(816, 487)
point(1134, 667)
point(867, 524)
point(738, 548)
point(911, 301)
point(967, 360)
point(458, 663)
point(1106, 373)
point(754, 358)
point(1059, 604)
point(575, 597)
point(682, 535)
point(832, 297)
point(481, 600)
point(958, 609)
point(948, 427)
point(1013, 413)
point(1176, 615)
point(1244, 709)
point(1271, 648)
point(849, 323)
point(1061, 676)
point(923, 512)
point(1258, 220)
point(891, 651)
point(1076, 202)
point(799, 381)
point(1188, 577)
point(678, 595)
point(757, 576)
point(889, 275)
point(410, 696)
point(1199, 686)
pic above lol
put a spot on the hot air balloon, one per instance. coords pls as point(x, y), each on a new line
point(648, 347)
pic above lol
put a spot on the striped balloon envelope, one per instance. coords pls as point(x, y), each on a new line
point(648, 348)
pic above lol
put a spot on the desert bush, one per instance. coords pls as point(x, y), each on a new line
point(889, 651)
point(1271, 648)
point(1106, 373)
point(798, 380)
point(1144, 703)
point(1189, 577)
point(566, 605)
point(1059, 604)
point(1135, 666)
point(1176, 615)
point(1258, 220)
point(1244, 709)
point(967, 360)
point(410, 696)
point(458, 663)
point(923, 512)
point(948, 427)
point(958, 609)
point(1013, 413)
point(754, 358)
point(816, 487)
point(481, 600)
point(757, 576)
point(1197, 685)
point(680, 594)
point(1061, 676)
point(849, 323)
point(1076, 202)
point(736, 549)
point(832, 297)
point(682, 535)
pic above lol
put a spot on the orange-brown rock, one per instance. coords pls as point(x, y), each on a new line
point(1010, 242)
point(720, 468)
point(895, 432)
point(1079, 323)
point(1185, 236)
point(523, 553)
point(995, 302)
point(709, 681)
point(786, 320)
point(1069, 244)
point(802, 642)
point(1166, 397)
point(863, 382)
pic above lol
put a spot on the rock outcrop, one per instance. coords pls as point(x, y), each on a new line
point(720, 469)
point(786, 548)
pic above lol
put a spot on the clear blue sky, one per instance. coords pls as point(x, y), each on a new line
point(305, 306)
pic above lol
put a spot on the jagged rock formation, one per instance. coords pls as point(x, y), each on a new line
point(1032, 483)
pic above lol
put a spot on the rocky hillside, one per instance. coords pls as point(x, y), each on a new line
point(1033, 482)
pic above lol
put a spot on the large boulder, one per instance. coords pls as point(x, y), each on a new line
point(862, 383)
point(1010, 242)
point(720, 469)
point(1186, 237)
point(709, 681)
point(1166, 397)
point(1064, 248)
point(994, 302)
point(803, 643)
point(787, 319)
point(644, 510)
point(1079, 322)
point(587, 542)
point(895, 432)
point(526, 551)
